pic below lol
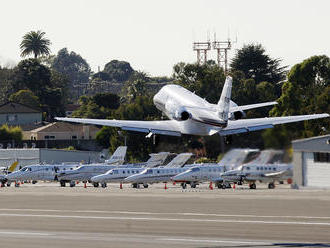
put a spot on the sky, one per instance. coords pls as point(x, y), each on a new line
point(154, 35)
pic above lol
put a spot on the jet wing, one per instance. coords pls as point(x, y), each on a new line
point(247, 125)
point(251, 106)
point(169, 127)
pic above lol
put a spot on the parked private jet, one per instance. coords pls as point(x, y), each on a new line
point(120, 174)
point(191, 114)
point(251, 173)
point(5, 171)
point(86, 172)
point(49, 172)
point(202, 173)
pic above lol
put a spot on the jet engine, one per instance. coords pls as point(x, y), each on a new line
point(177, 113)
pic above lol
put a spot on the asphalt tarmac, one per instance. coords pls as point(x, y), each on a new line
point(45, 215)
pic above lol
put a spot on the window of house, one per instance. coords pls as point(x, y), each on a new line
point(46, 136)
point(322, 157)
point(74, 137)
point(11, 118)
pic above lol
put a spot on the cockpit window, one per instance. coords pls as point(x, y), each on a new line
point(25, 169)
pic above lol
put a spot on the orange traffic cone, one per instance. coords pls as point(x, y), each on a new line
point(234, 186)
point(211, 186)
point(121, 186)
point(165, 187)
point(85, 185)
point(174, 183)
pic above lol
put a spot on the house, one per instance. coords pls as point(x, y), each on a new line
point(62, 131)
point(311, 162)
point(16, 114)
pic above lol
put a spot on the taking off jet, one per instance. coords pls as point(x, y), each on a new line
point(193, 115)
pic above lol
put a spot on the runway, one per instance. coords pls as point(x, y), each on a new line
point(45, 215)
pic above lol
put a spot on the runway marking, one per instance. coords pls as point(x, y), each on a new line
point(214, 241)
point(24, 233)
point(162, 213)
point(167, 219)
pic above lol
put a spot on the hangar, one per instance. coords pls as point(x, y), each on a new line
point(311, 162)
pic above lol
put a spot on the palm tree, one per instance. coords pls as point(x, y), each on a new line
point(36, 43)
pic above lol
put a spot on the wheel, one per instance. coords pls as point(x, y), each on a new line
point(34, 182)
point(145, 185)
point(8, 184)
point(223, 186)
point(16, 184)
point(253, 186)
point(103, 185)
point(72, 184)
point(62, 183)
point(271, 185)
point(184, 185)
point(218, 185)
point(134, 185)
point(193, 185)
point(96, 185)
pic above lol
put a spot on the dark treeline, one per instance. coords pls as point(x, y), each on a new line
point(47, 82)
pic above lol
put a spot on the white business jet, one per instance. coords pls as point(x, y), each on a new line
point(86, 172)
point(264, 173)
point(47, 172)
point(193, 115)
point(120, 174)
point(211, 172)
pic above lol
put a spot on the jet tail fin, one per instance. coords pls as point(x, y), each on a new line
point(118, 157)
point(12, 167)
point(224, 102)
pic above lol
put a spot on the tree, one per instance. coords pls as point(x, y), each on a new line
point(30, 74)
point(6, 84)
point(26, 97)
point(254, 63)
point(306, 92)
point(35, 43)
point(10, 133)
point(107, 100)
point(118, 71)
point(72, 65)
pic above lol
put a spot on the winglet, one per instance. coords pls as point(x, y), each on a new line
point(224, 102)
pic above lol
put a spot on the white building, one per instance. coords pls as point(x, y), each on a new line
point(311, 160)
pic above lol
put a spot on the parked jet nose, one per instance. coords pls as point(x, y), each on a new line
point(97, 179)
point(13, 176)
point(180, 177)
point(131, 179)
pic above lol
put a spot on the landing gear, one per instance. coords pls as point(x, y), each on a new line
point(271, 185)
point(193, 185)
point(8, 184)
point(34, 182)
point(72, 184)
point(253, 186)
point(103, 185)
point(17, 184)
point(145, 185)
point(183, 185)
point(62, 183)
point(96, 185)
point(226, 185)
point(218, 185)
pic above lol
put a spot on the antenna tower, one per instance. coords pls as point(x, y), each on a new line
point(202, 48)
point(222, 48)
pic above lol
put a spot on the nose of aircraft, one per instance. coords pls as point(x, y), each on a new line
point(130, 179)
point(12, 176)
point(97, 179)
point(179, 177)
